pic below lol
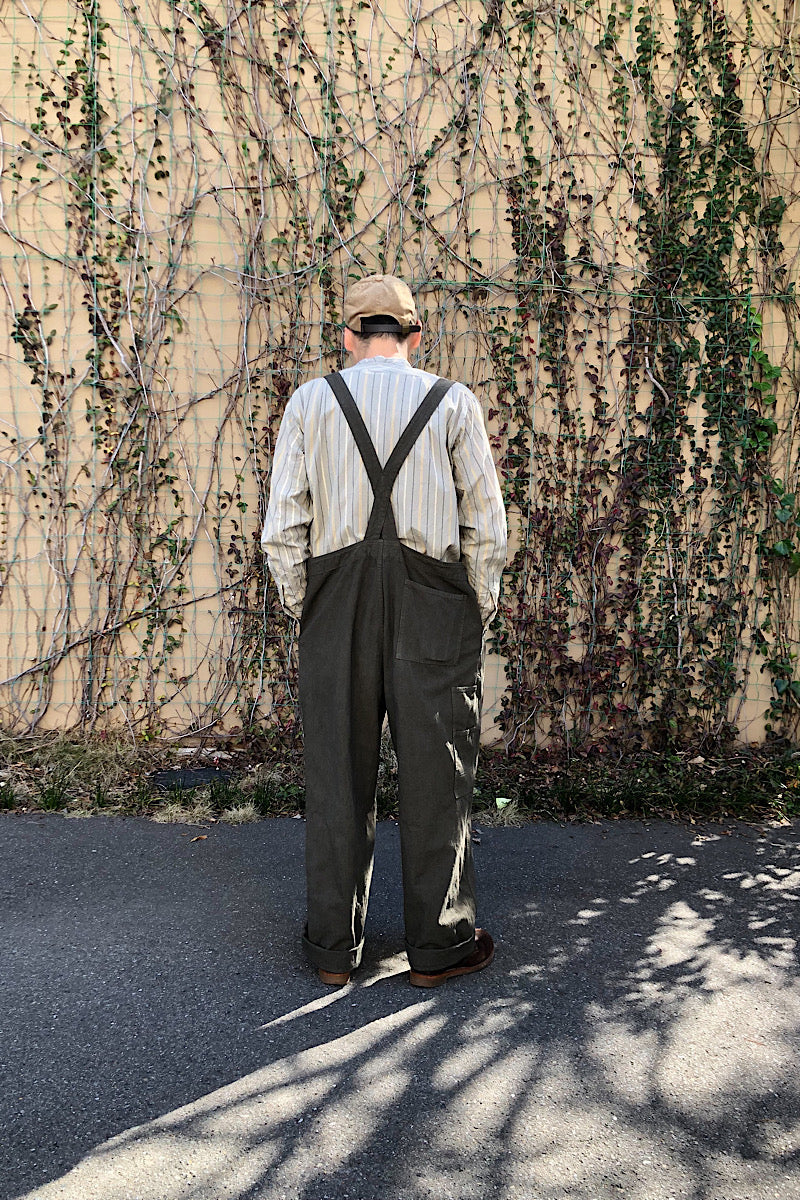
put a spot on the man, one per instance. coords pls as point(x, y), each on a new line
point(386, 536)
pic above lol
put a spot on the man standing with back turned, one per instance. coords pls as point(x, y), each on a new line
point(386, 535)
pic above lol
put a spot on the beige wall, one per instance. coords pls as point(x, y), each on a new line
point(131, 490)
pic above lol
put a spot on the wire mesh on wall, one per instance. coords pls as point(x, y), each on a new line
point(597, 207)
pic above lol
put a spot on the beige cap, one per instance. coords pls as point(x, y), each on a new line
point(380, 296)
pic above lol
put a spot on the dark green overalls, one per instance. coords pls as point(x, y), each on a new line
point(388, 629)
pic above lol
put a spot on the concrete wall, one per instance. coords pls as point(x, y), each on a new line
point(186, 190)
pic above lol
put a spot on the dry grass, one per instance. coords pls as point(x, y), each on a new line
point(192, 812)
point(239, 814)
point(511, 815)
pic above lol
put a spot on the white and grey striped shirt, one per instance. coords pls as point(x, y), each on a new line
point(446, 500)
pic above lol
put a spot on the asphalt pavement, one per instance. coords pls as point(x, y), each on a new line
point(162, 1038)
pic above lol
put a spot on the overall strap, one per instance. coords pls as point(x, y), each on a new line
point(382, 479)
point(382, 508)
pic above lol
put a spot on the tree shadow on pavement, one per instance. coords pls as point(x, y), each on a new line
point(636, 1037)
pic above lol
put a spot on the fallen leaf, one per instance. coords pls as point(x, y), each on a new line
point(201, 837)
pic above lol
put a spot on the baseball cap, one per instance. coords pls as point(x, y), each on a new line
point(380, 304)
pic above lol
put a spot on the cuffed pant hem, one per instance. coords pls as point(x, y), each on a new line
point(333, 960)
point(438, 960)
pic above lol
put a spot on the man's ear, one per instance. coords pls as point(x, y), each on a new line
point(414, 340)
point(349, 340)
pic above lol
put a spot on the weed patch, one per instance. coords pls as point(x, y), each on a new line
point(751, 783)
point(74, 777)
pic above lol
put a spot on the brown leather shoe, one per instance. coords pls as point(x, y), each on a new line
point(480, 957)
point(334, 978)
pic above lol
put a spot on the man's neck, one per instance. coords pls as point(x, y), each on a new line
point(385, 352)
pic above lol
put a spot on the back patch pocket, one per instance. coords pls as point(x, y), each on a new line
point(430, 624)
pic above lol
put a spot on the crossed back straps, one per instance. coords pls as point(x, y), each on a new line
point(381, 521)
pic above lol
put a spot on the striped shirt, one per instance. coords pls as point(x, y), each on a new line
point(446, 499)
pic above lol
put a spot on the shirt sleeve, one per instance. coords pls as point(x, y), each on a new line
point(481, 513)
point(285, 536)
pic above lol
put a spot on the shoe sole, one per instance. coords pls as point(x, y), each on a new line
point(417, 979)
point(334, 978)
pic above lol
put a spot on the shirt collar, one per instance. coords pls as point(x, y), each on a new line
point(381, 361)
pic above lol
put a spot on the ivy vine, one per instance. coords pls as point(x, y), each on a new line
point(597, 206)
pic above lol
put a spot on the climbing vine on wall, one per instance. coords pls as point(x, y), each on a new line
point(597, 206)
